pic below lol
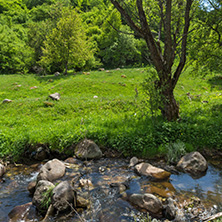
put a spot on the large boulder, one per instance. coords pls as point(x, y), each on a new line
point(147, 169)
point(148, 202)
point(42, 195)
point(2, 170)
point(87, 149)
point(52, 170)
point(63, 197)
point(193, 163)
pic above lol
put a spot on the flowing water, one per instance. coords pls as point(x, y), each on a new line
point(108, 203)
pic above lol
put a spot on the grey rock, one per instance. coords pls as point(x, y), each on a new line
point(55, 96)
point(193, 163)
point(63, 197)
point(170, 209)
point(133, 161)
point(31, 187)
point(19, 213)
point(39, 196)
point(149, 202)
point(52, 170)
point(87, 149)
point(2, 170)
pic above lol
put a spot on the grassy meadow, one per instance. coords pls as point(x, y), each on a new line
point(104, 106)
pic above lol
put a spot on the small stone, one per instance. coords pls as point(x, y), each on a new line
point(7, 101)
point(55, 96)
point(2, 170)
point(82, 202)
point(31, 187)
point(133, 161)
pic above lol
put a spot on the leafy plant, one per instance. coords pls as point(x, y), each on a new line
point(174, 151)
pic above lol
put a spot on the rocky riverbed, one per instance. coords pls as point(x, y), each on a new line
point(109, 189)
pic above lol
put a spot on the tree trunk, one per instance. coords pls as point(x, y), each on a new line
point(169, 107)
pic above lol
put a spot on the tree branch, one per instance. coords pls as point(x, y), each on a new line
point(184, 44)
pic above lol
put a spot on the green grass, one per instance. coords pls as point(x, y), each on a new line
point(116, 119)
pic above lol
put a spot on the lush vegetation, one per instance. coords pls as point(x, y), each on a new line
point(104, 106)
point(118, 109)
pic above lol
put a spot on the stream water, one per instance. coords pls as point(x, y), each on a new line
point(107, 203)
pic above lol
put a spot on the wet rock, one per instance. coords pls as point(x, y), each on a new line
point(193, 163)
point(63, 196)
point(52, 170)
point(147, 169)
point(82, 202)
point(149, 202)
point(40, 197)
point(121, 186)
point(19, 213)
point(40, 154)
point(133, 161)
point(87, 149)
point(72, 160)
point(2, 170)
point(55, 96)
point(31, 187)
point(85, 183)
point(170, 209)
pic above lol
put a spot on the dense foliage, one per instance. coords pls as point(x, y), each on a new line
point(30, 29)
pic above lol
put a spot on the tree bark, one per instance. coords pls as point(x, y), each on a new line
point(169, 107)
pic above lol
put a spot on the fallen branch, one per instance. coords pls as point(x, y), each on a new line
point(213, 217)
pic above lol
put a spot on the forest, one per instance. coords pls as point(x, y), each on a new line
point(46, 36)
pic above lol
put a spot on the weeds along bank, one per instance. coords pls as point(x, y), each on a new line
point(108, 107)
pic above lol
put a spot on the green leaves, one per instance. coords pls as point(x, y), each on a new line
point(66, 45)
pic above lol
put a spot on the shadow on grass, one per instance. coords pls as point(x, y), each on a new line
point(51, 78)
point(216, 81)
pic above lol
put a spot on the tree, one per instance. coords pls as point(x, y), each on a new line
point(66, 45)
point(206, 41)
point(171, 27)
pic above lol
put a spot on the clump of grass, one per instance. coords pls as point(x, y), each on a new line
point(47, 198)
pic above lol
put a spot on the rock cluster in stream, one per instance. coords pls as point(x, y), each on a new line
point(52, 199)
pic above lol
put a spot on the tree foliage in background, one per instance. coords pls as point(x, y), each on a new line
point(206, 41)
point(66, 45)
